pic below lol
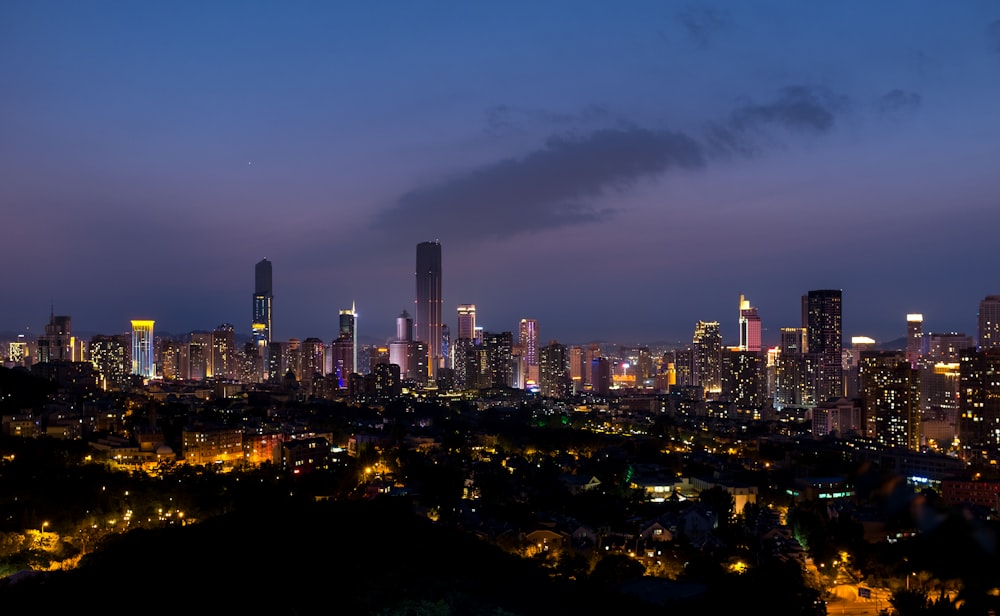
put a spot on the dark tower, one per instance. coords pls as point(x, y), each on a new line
point(821, 311)
point(263, 296)
point(427, 322)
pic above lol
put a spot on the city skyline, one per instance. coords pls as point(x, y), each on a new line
point(616, 173)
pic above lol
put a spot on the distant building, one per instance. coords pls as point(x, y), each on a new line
point(979, 403)
point(263, 305)
point(989, 322)
point(142, 348)
point(914, 338)
point(822, 318)
point(890, 392)
point(749, 323)
point(554, 371)
point(707, 346)
point(427, 321)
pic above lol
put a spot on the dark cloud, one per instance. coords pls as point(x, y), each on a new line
point(897, 100)
point(702, 22)
point(545, 189)
point(796, 109)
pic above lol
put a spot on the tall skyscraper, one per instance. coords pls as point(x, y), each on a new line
point(528, 340)
point(344, 353)
point(142, 348)
point(349, 331)
point(224, 352)
point(914, 338)
point(707, 346)
point(749, 327)
point(263, 298)
point(822, 318)
point(427, 320)
point(57, 344)
point(890, 391)
point(989, 322)
point(466, 321)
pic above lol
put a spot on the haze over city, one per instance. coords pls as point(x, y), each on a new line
point(615, 172)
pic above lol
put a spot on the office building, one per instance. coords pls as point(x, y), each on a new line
point(263, 300)
point(946, 346)
point(112, 358)
point(890, 394)
point(224, 363)
point(979, 404)
point(554, 371)
point(466, 321)
point(914, 338)
point(989, 322)
point(528, 341)
point(707, 347)
point(822, 319)
point(57, 344)
point(749, 323)
point(142, 348)
point(427, 320)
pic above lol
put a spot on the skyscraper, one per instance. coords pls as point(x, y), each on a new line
point(263, 297)
point(914, 338)
point(142, 348)
point(749, 327)
point(989, 322)
point(528, 340)
point(707, 346)
point(57, 344)
point(427, 321)
point(822, 318)
point(466, 321)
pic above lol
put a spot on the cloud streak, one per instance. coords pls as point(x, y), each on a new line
point(556, 185)
point(545, 189)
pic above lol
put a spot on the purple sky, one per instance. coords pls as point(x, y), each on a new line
point(617, 171)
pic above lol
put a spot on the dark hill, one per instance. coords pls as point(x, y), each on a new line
point(315, 558)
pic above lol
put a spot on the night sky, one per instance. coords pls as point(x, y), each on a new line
point(617, 171)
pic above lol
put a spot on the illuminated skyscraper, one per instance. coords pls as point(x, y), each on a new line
point(224, 352)
point(528, 340)
point(142, 348)
point(749, 327)
point(57, 344)
point(989, 322)
point(890, 391)
point(914, 338)
point(263, 298)
point(427, 321)
point(466, 321)
point(707, 346)
point(822, 317)
point(345, 348)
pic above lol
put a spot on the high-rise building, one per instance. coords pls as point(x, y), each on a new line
point(890, 393)
point(979, 403)
point(224, 352)
point(791, 369)
point(427, 320)
point(111, 356)
point(57, 344)
point(743, 380)
point(989, 322)
point(822, 314)
point(349, 331)
point(554, 378)
point(466, 321)
point(528, 340)
point(142, 348)
point(945, 347)
point(749, 327)
point(707, 346)
point(499, 358)
point(263, 300)
point(914, 338)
